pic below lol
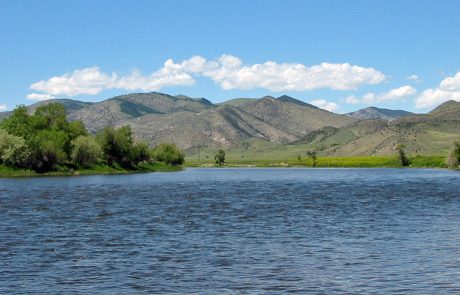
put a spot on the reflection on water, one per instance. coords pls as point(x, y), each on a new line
point(233, 231)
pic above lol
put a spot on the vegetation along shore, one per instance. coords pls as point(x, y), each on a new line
point(46, 143)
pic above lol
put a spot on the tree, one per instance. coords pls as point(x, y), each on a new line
point(453, 161)
point(18, 123)
point(116, 145)
point(140, 153)
point(402, 155)
point(14, 151)
point(86, 151)
point(220, 157)
point(312, 155)
point(168, 153)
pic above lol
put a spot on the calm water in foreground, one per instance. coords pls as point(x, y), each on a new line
point(233, 231)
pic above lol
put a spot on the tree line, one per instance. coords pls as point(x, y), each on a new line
point(46, 140)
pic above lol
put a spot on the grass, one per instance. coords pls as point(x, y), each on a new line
point(8, 172)
point(350, 162)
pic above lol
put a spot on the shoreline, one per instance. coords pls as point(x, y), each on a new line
point(7, 172)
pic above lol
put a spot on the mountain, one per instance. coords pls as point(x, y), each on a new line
point(292, 115)
point(121, 108)
point(224, 126)
point(378, 113)
point(448, 110)
point(236, 102)
point(428, 134)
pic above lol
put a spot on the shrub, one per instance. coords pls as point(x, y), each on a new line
point(403, 160)
point(453, 161)
point(86, 151)
point(140, 153)
point(14, 151)
point(168, 153)
point(220, 157)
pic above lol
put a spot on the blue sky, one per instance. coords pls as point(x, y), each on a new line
point(340, 55)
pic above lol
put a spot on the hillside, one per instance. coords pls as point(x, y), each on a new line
point(236, 102)
point(378, 113)
point(428, 134)
point(225, 126)
point(292, 115)
point(119, 109)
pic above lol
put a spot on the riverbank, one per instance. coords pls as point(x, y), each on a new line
point(8, 172)
point(330, 162)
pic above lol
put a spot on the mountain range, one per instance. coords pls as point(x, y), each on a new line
point(275, 121)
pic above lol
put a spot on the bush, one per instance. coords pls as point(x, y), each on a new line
point(220, 157)
point(86, 151)
point(140, 153)
point(14, 151)
point(403, 160)
point(116, 145)
point(453, 161)
point(168, 153)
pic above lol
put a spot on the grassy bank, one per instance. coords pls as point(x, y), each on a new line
point(8, 172)
point(350, 162)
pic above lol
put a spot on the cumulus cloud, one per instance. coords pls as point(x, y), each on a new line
point(392, 95)
point(39, 96)
point(325, 105)
point(228, 72)
point(3, 107)
point(448, 89)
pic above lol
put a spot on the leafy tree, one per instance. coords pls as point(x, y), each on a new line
point(312, 155)
point(86, 151)
point(116, 145)
point(18, 123)
point(140, 153)
point(220, 157)
point(47, 147)
point(453, 161)
point(14, 151)
point(402, 155)
point(168, 153)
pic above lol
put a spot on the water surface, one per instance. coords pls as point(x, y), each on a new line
point(233, 231)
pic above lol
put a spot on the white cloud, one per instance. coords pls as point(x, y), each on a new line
point(414, 78)
point(448, 89)
point(228, 72)
point(3, 107)
point(392, 95)
point(324, 104)
point(39, 96)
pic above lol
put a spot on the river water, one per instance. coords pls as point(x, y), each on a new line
point(233, 231)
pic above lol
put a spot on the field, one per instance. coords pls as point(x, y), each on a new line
point(294, 156)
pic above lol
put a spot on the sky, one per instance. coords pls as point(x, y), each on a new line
point(338, 55)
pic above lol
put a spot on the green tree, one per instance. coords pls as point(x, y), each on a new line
point(403, 160)
point(140, 153)
point(116, 145)
point(47, 148)
point(168, 153)
point(18, 123)
point(14, 151)
point(453, 161)
point(220, 157)
point(86, 151)
point(312, 155)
